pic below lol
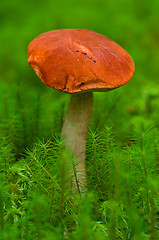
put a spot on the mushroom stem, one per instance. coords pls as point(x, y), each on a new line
point(74, 133)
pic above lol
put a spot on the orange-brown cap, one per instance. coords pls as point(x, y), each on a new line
point(74, 60)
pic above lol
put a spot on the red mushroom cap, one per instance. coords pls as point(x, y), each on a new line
point(73, 60)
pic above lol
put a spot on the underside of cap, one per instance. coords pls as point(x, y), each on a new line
point(73, 60)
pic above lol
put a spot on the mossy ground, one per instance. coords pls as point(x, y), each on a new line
point(122, 200)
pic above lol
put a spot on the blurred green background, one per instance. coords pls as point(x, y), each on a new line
point(132, 24)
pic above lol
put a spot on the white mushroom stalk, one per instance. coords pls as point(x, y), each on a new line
point(74, 133)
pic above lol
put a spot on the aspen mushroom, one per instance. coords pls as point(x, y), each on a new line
point(79, 62)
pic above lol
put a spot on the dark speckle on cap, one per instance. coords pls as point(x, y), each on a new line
point(82, 83)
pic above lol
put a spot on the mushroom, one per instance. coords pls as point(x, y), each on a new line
point(79, 62)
